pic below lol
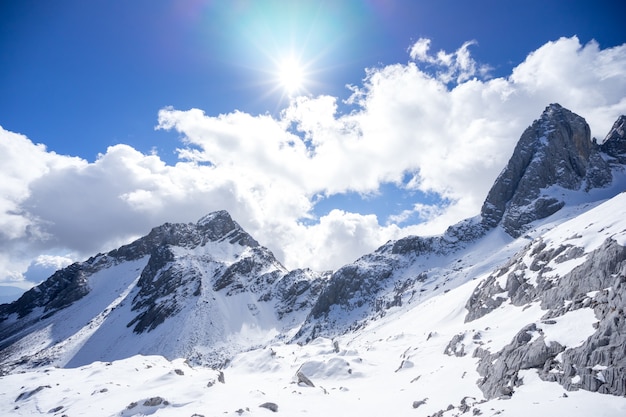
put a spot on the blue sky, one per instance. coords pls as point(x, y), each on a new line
point(407, 112)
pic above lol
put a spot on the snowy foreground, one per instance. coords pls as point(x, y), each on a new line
point(397, 368)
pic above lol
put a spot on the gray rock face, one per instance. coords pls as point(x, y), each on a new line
point(599, 282)
point(614, 144)
point(555, 150)
point(381, 280)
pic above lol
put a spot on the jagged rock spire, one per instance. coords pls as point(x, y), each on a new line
point(556, 150)
point(614, 144)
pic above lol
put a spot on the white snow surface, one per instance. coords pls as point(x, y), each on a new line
point(393, 366)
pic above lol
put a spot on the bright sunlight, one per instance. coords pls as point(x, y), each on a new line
point(291, 75)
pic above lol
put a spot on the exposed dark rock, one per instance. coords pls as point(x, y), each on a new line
point(26, 395)
point(270, 406)
point(555, 150)
point(527, 350)
point(303, 379)
point(599, 364)
point(455, 346)
point(155, 402)
point(614, 144)
point(416, 404)
point(60, 290)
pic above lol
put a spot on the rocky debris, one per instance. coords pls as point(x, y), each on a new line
point(221, 378)
point(145, 407)
point(416, 404)
point(26, 395)
point(556, 150)
point(304, 380)
point(599, 282)
point(455, 347)
point(270, 406)
point(155, 401)
point(500, 370)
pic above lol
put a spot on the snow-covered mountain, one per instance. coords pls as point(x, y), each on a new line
point(518, 310)
point(201, 291)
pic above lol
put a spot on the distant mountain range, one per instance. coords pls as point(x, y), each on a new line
point(531, 291)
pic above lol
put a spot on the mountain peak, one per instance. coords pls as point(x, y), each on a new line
point(556, 151)
point(614, 144)
point(219, 225)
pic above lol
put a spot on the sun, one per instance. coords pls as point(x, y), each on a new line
point(291, 76)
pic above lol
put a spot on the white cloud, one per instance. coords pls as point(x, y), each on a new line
point(449, 129)
point(456, 66)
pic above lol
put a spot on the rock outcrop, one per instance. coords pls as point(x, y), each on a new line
point(614, 145)
point(598, 282)
point(556, 151)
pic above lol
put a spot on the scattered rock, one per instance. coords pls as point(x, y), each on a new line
point(155, 401)
point(28, 394)
point(303, 379)
point(456, 347)
point(221, 378)
point(418, 403)
point(270, 406)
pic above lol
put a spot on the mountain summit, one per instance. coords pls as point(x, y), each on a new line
point(525, 299)
point(555, 153)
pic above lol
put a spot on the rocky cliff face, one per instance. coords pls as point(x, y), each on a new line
point(614, 145)
point(556, 151)
point(402, 271)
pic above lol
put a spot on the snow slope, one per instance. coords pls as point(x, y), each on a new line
point(416, 360)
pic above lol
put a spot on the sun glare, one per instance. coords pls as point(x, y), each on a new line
point(291, 76)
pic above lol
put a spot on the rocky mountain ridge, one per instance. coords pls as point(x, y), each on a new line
point(207, 291)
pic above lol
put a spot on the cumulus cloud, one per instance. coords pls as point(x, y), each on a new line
point(436, 120)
